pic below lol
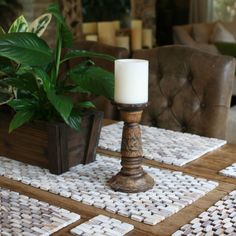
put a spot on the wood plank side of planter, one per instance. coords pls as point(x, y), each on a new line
point(94, 137)
point(54, 146)
point(82, 146)
point(27, 144)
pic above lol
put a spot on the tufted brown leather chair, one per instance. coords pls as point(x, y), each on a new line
point(102, 103)
point(189, 90)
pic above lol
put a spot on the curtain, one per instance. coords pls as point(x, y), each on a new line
point(201, 11)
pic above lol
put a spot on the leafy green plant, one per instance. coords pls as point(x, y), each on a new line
point(30, 78)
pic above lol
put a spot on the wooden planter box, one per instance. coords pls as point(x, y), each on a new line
point(54, 146)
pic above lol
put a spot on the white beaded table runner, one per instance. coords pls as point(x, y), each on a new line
point(103, 225)
point(21, 215)
point(229, 171)
point(219, 219)
point(88, 184)
point(162, 145)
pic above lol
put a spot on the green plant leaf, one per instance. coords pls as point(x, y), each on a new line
point(40, 24)
point(25, 48)
point(25, 82)
point(20, 118)
point(22, 104)
point(2, 32)
point(5, 96)
point(61, 103)
point(19, 25)
point(94, 79)
point(86, 104)
point(6, 67)
point(70, 89)
point(24, 69)
point(66, 34)
point(44, 77)
point(74, 120)
point(83, 53)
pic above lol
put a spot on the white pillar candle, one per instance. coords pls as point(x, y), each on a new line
point(131, 81)
point(91, 37)
point(89, 28)
point(106, 33)
point(122, 41)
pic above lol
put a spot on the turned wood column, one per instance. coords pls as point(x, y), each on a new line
point(131, 177)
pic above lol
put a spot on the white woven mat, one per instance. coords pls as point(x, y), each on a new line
point(162, 145)
point(87, 184)
point(21, 215)
point(219, 219)
point(103, 226)
point(229, 171)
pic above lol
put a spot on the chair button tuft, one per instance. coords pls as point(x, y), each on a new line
point(170, 103)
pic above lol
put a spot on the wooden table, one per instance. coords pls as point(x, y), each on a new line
point(207, 166)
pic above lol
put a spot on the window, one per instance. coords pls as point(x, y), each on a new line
point(224, 10)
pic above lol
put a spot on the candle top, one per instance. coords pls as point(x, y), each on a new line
point(131, 60)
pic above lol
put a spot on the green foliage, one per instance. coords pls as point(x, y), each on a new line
point(30, 80)
point(19, 25)
point(39, 25)
point(226, 48)
point(224, 10)
point(22, 48)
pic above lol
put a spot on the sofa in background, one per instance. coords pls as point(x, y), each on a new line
point(208, 37)
point(205, 35)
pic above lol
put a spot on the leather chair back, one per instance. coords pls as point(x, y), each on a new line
point(189, 90)
point(101, 103)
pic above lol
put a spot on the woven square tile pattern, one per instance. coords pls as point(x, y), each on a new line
point(230, 171)
point(21, 215)
point(162, 145)
point(219, 219)
point(103, 225)
point(88, 184)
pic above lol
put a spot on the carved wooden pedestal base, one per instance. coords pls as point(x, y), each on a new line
point(131, 178)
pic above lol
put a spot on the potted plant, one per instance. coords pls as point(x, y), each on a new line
point(50, 129)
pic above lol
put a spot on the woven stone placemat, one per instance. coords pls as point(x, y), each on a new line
point(88, 184)
point(21, 215)
point(229, 171)
point(162, 145)
point(219, 219)
point(103, 225)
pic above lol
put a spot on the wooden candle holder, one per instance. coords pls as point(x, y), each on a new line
point(131, 178)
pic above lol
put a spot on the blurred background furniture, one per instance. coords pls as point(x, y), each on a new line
point(189, 90)
point(134, 37)
point(216, 38)
point(205, 35)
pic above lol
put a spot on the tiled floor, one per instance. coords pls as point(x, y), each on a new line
point(172, 191)
point(24, 216)
point(219, 219)
point(162, 145)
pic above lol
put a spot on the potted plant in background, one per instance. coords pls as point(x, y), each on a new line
point(49, 128)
